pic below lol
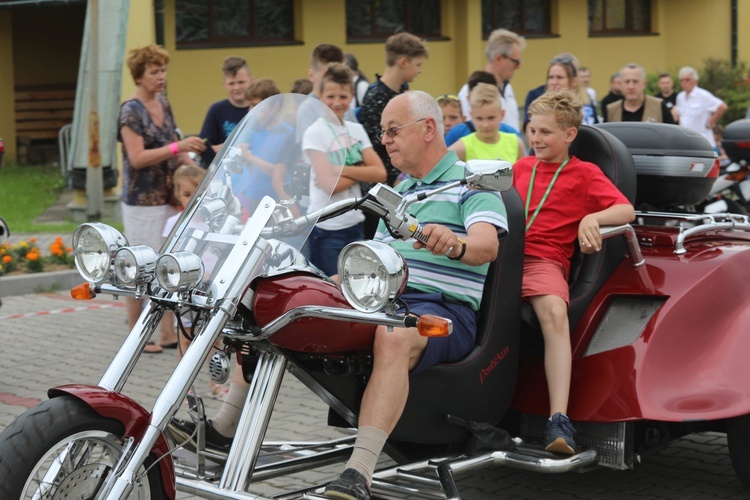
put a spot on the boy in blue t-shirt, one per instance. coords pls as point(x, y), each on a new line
point(224, 115)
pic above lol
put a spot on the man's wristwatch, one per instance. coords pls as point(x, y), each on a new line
point(463, 250)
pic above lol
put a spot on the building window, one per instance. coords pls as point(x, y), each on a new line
point(525, 17)
point(619, 16)
point(206, 23)
point(379, 19)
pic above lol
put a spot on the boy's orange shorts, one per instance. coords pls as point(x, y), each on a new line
point(544, 277)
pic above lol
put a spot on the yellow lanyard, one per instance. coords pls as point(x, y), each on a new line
point(546, 193)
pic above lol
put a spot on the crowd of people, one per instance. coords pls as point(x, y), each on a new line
point(383, 132)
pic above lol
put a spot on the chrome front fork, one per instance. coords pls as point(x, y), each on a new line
point(170, 398)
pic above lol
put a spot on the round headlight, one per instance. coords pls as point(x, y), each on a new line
point(372, 275)
point(95, 244)
point(136, 264)
point(179, 271)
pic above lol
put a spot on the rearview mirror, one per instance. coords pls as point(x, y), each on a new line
point(489, 175)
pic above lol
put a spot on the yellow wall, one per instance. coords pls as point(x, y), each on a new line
point(195, 75)
point(687, 32)
point(7, 107)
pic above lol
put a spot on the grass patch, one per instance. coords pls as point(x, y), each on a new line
point(26, 191)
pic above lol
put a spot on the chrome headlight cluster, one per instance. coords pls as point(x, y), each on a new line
point(179, 271)
point(135, 265)
point(95, 245)
point(372, 275)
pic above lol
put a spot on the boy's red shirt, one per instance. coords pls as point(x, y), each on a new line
point(580, 189)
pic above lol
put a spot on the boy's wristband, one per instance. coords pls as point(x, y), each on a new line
point(174, 148)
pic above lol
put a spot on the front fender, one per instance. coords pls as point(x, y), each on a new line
point(127, 411)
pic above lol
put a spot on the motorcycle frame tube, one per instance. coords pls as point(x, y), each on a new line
point(334, 313)
point(253, 423)
point(243, 263)
point(127, 356)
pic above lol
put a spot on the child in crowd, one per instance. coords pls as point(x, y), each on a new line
point(328, 145)
point(302, 86)
point(565, 199)
point(264, 149)
point(450, 105)
point(467, 127)
point(404, 56)
point(488, 143)
point(224, 115)
point(186, 181)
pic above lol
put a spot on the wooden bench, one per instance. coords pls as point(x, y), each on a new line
point(42, 110)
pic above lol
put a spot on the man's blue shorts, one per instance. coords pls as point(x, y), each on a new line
point(443, 349)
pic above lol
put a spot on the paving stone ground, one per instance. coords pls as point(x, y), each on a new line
point(41, 350)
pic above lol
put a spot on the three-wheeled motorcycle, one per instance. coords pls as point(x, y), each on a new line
point(657, 323)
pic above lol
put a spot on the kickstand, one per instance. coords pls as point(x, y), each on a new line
point(484, 437)
point(197, 413)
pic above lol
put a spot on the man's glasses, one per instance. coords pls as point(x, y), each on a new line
point(447, 97)
point(517, 62)
point(393, 131)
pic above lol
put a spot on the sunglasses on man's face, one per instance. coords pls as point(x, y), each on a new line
point(392, 132)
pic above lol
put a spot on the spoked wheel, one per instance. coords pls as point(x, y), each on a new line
point(61, 449)
point(738, 439)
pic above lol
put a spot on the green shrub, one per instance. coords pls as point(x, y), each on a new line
point(731, 85)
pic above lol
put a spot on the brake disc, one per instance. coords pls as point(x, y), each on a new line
point(82, 484)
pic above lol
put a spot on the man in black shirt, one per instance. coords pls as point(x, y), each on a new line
point(615, 93)
point(667, 94)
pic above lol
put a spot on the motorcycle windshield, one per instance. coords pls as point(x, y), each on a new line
point(266, 162)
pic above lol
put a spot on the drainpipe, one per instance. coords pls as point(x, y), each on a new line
point(159, 21)
point(733, 41)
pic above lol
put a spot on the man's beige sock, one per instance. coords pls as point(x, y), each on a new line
point(367, 448)
point(225, 422)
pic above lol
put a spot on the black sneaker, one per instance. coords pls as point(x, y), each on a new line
point(183, 432)
point(560, 434)
point(351, 485)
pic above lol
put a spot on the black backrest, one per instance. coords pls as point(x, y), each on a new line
point(589, 272)
point(480, 386)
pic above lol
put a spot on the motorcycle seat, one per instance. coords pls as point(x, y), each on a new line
point(480, 386)
point(589, 272)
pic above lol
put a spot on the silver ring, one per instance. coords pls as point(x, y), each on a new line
point(448, 252)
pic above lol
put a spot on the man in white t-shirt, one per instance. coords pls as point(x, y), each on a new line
point(503, 53)
point(697, 108)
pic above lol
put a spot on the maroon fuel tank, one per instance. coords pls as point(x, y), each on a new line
point(278, 294)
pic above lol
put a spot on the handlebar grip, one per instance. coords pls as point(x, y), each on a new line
point(417, 235)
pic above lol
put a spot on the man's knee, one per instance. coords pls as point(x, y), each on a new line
point(395, 344)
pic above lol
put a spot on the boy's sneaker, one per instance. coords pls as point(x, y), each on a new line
point(183, 432)
point(351, 485)
point(560, 434)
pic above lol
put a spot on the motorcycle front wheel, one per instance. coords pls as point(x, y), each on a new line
point(63, 449)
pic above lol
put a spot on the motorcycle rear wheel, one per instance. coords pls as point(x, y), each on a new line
point(31, 446)
point(738, 441)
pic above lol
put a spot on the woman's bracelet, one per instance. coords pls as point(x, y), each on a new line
point(174, 148)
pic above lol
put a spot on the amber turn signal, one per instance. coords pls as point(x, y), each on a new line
point(81, 292)
point(434, 326)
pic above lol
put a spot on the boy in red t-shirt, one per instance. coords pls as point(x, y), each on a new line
point(565, 198)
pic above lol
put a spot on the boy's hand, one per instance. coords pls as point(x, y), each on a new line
point(589, 237)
